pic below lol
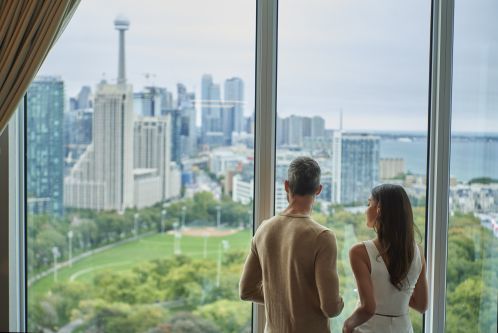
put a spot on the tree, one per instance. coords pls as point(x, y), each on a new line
point(230, 316)
point(472, 307)
point(188, 281)
point(188, 323)
point(103, 317)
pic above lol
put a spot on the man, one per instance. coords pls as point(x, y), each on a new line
point(291, 268)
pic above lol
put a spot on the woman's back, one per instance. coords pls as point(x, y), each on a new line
point(388, 299)
point(392, 304)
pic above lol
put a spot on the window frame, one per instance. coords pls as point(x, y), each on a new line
point(439, 108)
point(438, 174)
point(16, 208)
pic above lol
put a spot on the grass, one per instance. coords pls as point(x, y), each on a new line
point(126, 256)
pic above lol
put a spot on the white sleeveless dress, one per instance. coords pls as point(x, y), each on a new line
point(391, 313)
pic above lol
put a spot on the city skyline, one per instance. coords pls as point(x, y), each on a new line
point(382, 90)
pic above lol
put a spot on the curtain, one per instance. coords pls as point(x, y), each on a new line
point(28, 30)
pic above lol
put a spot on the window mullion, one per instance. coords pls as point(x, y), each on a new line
point(266, 96)
point(439, 161)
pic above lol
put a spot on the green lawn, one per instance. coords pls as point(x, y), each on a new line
point(126, 256)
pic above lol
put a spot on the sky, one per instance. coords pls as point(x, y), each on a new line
point(368, 59)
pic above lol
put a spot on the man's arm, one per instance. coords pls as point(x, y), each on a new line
point(327, 280)
point(251, 282)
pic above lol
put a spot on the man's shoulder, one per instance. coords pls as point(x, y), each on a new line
point(310, 225)
point(265, 224)
point(319, 230)
point(317, 226)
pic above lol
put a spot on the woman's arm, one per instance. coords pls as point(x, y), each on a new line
point(358, 257)
point(420, 297)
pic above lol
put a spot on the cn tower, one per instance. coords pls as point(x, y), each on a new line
point(121, 24)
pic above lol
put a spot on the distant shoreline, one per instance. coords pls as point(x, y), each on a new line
point(467, 136)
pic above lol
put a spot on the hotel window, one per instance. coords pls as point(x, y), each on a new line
point(353, 94)
point(140, 159)
point(472, 264)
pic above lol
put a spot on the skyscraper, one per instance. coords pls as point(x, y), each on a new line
point(336, 166)
point(146, 103)
point(188, 133)
point(152, 147)
point(211, 111)
point(77, 134)
point(317, 127)
point(293, 129)
point(85, 98)
point(228, 122)
point(234, 96)
point(359, 166)
point(176, 131)
point(183, 96)
point(45, 158)
point(113, 143)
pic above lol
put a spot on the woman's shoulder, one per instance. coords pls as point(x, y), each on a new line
point(359, 250)
point(358, 255)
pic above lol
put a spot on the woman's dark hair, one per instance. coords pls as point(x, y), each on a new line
point(395, 230)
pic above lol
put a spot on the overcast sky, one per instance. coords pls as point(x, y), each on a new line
point(369, 59)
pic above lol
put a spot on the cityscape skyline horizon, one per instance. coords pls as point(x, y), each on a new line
point(198, 102)
point(367, 101)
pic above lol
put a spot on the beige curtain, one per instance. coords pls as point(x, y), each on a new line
point(28, 30)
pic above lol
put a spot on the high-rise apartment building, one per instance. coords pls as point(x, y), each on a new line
point(85, 98)
point(176, 129)
point(221, 118)
point(77, 134)
point(294, 129)
point(152, 101)
point(336, 166)
point(234, 96)
point(107, 165)
point(211, 111)
point(317, 127)
point(391, 167)
point(152, 148)
point(359, 167)
point(45, 154)
point(188, 113)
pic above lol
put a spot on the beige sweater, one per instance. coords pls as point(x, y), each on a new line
point(291, 269)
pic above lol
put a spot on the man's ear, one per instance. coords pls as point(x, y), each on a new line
point(286, 186)
point(319, 190)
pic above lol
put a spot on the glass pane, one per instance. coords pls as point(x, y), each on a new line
point(140, 169)
point(472, 268)
point(352, 93)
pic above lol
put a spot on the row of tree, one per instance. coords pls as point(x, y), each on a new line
point(92, 229)
point(180, 294)
point(177, 294)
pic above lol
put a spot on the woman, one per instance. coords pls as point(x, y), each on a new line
point(390, 269)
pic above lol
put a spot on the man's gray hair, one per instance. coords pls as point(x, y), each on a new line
point(303, 176)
